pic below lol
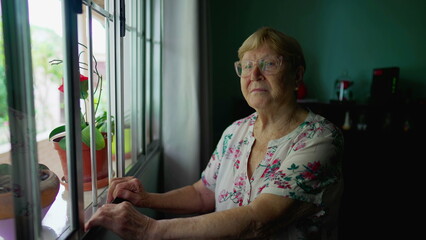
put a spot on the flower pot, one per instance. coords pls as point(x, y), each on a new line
point(101, 165)
point(49, 188)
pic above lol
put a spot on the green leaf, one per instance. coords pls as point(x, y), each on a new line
point(85, 135)
point(84, 86)
point(102, 127)
point(82, 121)
point(63, 143)
point(293, 167)
point(101, 123)
point(56, 131)
point(99, 138)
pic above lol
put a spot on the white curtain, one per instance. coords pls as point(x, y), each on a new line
point(181, 124)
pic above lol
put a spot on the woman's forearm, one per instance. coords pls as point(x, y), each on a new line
point(186, 200)
point(237, 223)
point(179, 201)
point(258, 220)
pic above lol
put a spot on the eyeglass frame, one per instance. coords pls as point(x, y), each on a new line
point(280, 62)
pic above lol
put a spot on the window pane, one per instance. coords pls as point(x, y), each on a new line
point(7, 222)
point(140, 79)
point(46, 50)
point(100, 95)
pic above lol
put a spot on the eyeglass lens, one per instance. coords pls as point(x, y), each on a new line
point(267, 66)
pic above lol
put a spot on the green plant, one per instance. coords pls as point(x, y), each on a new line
point(3, 97)
point(3, 92)
point(44, 45)
point(100, 121)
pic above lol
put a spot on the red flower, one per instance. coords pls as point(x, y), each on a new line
point(82, 79)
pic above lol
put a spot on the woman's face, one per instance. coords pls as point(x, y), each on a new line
point(263, 90)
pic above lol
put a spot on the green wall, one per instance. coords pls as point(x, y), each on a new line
point(336, 35)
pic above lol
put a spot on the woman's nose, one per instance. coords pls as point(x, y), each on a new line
point(256, 73)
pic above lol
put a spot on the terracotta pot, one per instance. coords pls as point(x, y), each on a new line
point(49, 188)
point(101, 165)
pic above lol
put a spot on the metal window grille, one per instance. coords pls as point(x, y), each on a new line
point(133, 36)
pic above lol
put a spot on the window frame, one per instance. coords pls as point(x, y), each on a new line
point(146, 100)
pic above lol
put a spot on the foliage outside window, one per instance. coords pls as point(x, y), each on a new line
point(44, 47)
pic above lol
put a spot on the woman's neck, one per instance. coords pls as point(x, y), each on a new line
point(278, 123)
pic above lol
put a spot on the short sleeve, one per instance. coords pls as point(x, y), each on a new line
point(210, 173)
point(311, 165)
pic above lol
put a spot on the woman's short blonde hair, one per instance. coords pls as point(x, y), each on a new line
point(282, 44)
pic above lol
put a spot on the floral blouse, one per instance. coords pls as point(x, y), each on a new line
point(304, 165)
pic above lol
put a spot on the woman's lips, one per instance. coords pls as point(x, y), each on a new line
point(258, 90)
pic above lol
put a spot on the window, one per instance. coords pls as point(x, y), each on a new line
point(107, 54)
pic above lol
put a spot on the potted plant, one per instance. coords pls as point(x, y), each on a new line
point(49, 188)
point(57, 135)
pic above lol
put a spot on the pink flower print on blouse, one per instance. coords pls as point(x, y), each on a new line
point(216, 172)
point(278, 177)
point(223, 196)
point(261, 188)
point(234, 152)
point(206, 183)
point(282, 180)
point(237, 153)
point(236, 195)
point(270, 154)
point(316, 129)
point(299, 145)
point(271, 169)
point(299, 142)
point(240, 181)
point(251, 119)
point(214, 156)
point(311, 171)
point(313, 178)
point(237, 164)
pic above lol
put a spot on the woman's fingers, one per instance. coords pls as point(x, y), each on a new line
point(122, 219)
point(102, 218)
point(119, 187)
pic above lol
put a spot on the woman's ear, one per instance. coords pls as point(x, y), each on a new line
point(300, 71)
point(298, 78)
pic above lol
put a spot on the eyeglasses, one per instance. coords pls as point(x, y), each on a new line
point(267, 66)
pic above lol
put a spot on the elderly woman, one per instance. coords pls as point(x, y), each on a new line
point(275, 174)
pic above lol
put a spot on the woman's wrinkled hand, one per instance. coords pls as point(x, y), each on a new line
point(124, 220)
point(128, 188)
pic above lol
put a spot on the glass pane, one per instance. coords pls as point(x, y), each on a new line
point(156, 92)
point(140, 122)
point(129, 80)
point(156, 68)
point(99, 105)
point(46, 42)
point(46, 35)
point(7, 221)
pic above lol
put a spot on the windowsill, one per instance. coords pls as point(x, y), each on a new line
point(56, 221)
